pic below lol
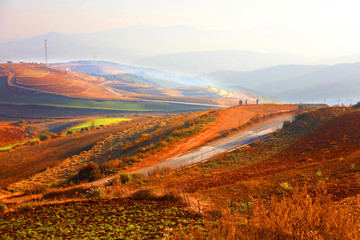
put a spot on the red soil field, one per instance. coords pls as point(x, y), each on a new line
point(226, 120)
point(10, 134)
point(38, 78)
point(327, 148)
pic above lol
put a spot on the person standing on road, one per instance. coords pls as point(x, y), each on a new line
point(257, 101)
point(246, 102)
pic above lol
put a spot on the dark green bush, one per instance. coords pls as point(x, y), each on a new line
point(90, 172)
point(2, 207)
point(286, 124)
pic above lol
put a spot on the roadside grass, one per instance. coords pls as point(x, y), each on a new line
point(302, 215)
point(96, 123)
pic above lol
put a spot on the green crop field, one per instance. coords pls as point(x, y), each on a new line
point(107, 219)
point(96, 122)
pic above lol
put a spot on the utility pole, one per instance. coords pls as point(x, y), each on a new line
point(45, 51)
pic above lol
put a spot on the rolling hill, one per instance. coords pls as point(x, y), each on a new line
point(298, 83)
point(41, 85)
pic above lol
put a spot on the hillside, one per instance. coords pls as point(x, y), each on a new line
point(295, 83)
point(149, 83)
point(311, 165)
point(137, 143)
point(37, 85)
point(257, 78)
point(147, 76)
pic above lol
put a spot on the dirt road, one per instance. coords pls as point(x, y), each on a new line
point(223, 145)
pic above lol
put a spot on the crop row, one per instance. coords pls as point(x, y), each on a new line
point(112, 219)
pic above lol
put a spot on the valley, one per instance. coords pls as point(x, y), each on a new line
point(72, 141)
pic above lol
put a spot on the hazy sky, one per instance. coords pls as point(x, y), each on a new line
point(305, 27)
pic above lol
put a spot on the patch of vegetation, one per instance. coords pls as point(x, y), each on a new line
point(7, 148)
point(96, 123)
point(2, 208)
point(187, 130)
point(115, 219)
point(90, 172)
point(296, 216)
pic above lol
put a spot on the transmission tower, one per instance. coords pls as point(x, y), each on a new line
point(45, 51)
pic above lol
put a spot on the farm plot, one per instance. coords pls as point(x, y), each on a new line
point(108, 219)
point(96, 122)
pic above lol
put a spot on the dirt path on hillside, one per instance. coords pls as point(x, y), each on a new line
point(226, 120)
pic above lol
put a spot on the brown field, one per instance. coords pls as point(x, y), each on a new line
point(125, 142)
point(326, 153)
point(226, 120)
point(10, 134)
point(28, 160)
point(30, 79)
point(37, 78)
point(321, 150)
point(303, 182)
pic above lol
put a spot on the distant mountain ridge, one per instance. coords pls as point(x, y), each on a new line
point(206, 61)
point(165, 79)
point(294, 83)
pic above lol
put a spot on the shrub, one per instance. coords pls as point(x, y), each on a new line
point(171, 196)
point(356, 105)
point(144, 194)
point(35, 189)
point(2, 207)
point(90, 172)
point(43, 136)
point(97, 193)
point(125, 177)
point(286, 124)
point(286, 186)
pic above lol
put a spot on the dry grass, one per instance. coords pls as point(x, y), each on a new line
point(298, 216)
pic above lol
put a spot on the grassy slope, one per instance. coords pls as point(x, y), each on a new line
point(59, 101)
point(305, 152)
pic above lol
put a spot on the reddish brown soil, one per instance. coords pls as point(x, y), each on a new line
point(226, 120)
point(331, 148)
point(30, 159)
point(10, 134)
point(38, 78)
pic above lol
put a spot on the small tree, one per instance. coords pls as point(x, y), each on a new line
point(90, 172)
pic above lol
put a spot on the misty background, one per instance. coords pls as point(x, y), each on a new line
point(295, 51)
